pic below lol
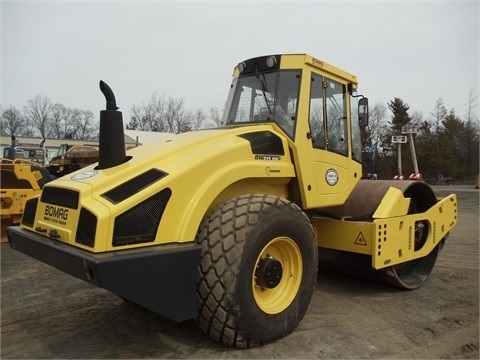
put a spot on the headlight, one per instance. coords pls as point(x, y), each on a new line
point(271, 61)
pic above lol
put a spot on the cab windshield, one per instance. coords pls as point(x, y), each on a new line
point(265, 97)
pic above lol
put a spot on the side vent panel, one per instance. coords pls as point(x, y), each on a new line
point(140, 223)
point(133, 186)
point(264, 142)
point(61, 197)
point(29, 211)
point(87, 226)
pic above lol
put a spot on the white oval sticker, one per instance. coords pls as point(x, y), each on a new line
point(331, 177)
point(84, 175)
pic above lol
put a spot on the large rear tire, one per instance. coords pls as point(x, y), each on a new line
point(258, 270)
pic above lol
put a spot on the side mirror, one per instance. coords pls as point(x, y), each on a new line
point(363, 112)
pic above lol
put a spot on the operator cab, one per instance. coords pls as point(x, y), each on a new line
point(263, 91)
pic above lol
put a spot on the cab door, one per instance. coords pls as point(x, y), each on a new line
point(333, 172)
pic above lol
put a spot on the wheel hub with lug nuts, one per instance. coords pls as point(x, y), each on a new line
point(268, 273)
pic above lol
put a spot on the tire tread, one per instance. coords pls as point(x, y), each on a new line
point(222, 236)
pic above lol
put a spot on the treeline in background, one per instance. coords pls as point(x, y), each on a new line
point(446, 143)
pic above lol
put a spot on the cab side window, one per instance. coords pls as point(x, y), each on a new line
point(336, 117)
point(316, 118)
point(286, 100)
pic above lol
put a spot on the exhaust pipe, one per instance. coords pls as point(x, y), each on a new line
point(112, 140)
point(12, 153)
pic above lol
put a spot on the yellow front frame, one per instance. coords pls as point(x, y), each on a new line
point(389, 240)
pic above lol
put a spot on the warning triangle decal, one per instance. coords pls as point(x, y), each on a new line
point(360, 240)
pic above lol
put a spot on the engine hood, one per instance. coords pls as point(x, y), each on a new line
point(186, 174)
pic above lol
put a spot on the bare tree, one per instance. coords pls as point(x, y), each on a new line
point(143, 117)
point(176, 117)
point(83, 125)
point(156, 113)
point(472, 105)
point(198, 119)
point(38, 111)
point(71, 123)
point(377, 122)
point(216, 116)
point(12, 122)
point(439, 113)
point(471, 137)
point(61, 121)
point(161, 114)
point(147, 117)
point(417, 118)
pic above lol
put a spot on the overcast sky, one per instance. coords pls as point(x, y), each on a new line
point(418, 51)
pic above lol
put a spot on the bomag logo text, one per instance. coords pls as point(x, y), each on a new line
point(56, 214)
point(317, 62)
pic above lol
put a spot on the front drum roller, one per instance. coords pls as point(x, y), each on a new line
point(361, 205)
point(257, 272)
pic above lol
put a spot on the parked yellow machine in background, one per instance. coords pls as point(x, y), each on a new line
point(70, 158)
point(227, 225)
point(19, 180)
point(34, 153)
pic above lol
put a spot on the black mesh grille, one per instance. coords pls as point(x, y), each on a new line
point(87, 226)
point(140, 223)
point(29, 211)
point(59, 196)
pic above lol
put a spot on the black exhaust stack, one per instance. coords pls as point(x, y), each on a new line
point(112, 140)
point(12, 153)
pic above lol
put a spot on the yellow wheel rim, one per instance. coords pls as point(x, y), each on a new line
point(276, 299)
